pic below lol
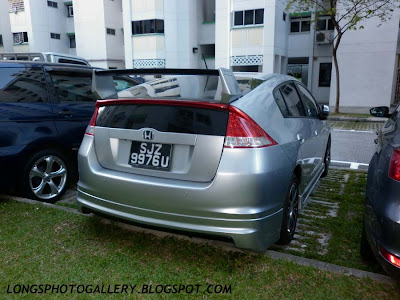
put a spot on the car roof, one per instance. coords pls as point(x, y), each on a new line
point(22, 63)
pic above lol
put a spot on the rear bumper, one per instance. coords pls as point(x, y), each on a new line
point(247, 234)
point(385, 233)
point(245, 206)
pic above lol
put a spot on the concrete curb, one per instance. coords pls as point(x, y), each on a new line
point(331, 267)
point(224, 245)
point(355, 119)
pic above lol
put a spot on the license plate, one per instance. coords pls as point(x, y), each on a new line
point(150, 155)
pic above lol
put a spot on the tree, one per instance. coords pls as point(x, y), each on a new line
point(345, 15)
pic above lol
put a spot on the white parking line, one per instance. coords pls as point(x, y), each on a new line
point(353, 165)
point(352, 130)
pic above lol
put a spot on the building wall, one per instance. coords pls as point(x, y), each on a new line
point(145, 48)
point(5, 28)
point(367, 64)
point(90, 32)
point(114, 43)
point(43, 21)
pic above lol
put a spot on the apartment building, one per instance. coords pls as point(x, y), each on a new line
point(5, 29)
point(90, 28)
point(243, 35)
point(369, 66)
point(237, 34)
point(99, 32)
point(41, 26)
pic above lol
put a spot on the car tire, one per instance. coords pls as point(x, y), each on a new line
point(327, 159)
point(290, 212)
point(46, 176)
point(365, 249)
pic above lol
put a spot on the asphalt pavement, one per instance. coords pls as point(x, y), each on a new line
point(353, 146)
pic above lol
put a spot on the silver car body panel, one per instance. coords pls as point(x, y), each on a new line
point(236, 193)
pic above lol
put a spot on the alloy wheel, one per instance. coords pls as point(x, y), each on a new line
point(47, 177)
point(293, 208)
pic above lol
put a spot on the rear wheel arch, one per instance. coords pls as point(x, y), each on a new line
point(298, 172)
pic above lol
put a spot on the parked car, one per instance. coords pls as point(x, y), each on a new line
point(381, 230)
point(50, 57)
point(194, 153)
point(44, 110)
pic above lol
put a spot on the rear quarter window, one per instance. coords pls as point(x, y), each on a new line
point(22, 85)
point(292, 100)
point(73, 86)
point(281, 103)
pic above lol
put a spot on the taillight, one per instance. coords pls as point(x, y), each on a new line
point(244, 132)
point(394, 260)
point(394, 168)
point(92, 123)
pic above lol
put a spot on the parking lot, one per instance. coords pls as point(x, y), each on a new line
point(329, 231)
point(72, 248)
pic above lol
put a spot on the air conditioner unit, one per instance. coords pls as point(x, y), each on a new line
point(323, 37)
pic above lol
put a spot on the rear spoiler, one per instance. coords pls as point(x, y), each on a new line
point(103, 85)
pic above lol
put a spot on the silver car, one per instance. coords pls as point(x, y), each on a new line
point(200, 151)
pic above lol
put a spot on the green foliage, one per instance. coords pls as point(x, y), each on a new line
point(347, 14)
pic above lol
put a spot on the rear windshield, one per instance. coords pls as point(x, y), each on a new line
point(197, 87)
point(178, 119)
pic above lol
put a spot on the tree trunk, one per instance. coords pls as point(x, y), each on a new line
point(335, 61)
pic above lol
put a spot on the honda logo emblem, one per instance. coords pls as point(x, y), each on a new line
point(148, 135)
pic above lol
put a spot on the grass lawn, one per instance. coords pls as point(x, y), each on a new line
point(333, 114)
point(341, 222)
point(42, 245)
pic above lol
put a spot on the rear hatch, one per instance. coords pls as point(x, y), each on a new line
point(175, 139)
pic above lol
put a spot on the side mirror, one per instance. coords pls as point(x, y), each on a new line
point(380, 111)
point(324, 112)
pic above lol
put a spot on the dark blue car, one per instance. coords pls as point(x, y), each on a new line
point(381, 232)
point(44, 111)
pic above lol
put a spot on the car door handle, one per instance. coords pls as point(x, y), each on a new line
point(300, 138)
point(65, 112)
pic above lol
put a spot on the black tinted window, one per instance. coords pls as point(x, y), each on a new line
point(308, 101)
point(70, 61)
point(248, 17)
point(238, 18)
point(148, 26)
point(22, 85)
point(281, 103)
point(295, 26)
point(292, 99)
point(325, 70)
point(73, 86)
point(259, 16)
point(164, 118)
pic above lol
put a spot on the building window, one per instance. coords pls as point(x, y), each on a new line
point(70, 11)
point(300, 24)
point(52, 4)
point(325, 70)
point(55, 36)
point(110, 31)
point(20, 37)
point(16, 5)
point(147, 26)
point(248, 17)
point(324, 24)
point(1, 40)
point(72, 41)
